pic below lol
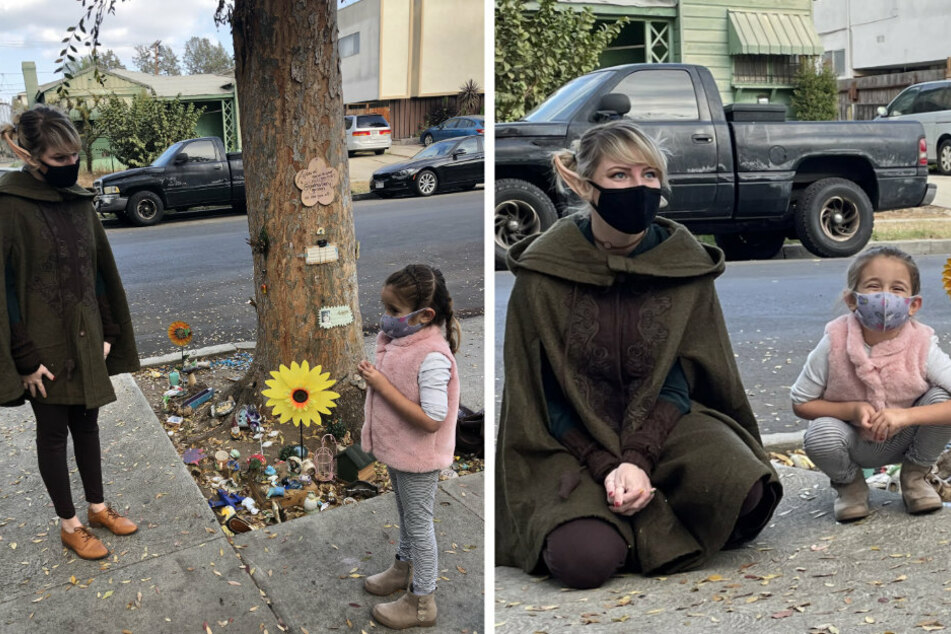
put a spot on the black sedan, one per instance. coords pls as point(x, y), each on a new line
point(456, 163)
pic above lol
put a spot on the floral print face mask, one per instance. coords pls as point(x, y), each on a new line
point(882, 311)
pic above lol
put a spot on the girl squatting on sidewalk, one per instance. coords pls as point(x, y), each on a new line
point(410, 426)
point(876, 388)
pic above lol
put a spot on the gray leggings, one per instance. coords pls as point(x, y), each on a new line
point(415, 499)
point(839, 451)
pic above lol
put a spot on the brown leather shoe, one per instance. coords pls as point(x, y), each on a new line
point(83, 543)
point(109, 518)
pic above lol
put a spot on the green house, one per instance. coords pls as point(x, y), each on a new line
point(752, 47)
point(214, 95)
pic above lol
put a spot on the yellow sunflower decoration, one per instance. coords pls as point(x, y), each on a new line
point(946, 277)
point(180, 333)
point(300, 394)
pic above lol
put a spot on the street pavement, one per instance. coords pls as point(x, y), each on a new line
point(180, 573)
point(803, 573)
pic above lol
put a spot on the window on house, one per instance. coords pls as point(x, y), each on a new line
point(349, 45)
point(638, 42)
point(766, 69)
point(836, 59)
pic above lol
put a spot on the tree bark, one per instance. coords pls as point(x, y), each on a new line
point(290, 90)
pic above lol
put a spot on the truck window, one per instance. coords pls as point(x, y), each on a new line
point(660, 94)
point(470, 145)
point(563, 103)
point(201, 152)
point(903, 102)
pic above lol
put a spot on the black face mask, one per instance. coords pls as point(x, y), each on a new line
point(61, 175)
point(629, 210)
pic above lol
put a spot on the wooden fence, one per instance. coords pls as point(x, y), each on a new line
point(408, 117)
point(860, 97)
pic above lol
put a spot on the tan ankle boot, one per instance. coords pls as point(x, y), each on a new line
point(410, 610)
point(919, 496)
point(851, 501)
point(394, 578)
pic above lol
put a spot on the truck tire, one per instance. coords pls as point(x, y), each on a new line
point(521, 209)
point(144, 209)
point(833, 218)
point(944, 157)
point(750, 245)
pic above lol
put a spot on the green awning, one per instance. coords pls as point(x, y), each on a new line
point(772, 33)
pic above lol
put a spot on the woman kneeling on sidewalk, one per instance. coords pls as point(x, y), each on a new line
point(625, 439)
point(876, 388)
point(64, 321)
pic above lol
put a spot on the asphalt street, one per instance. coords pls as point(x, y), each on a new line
point(198, 267)
point(775, 311)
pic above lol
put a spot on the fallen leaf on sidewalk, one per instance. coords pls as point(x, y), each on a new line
point(783, 614)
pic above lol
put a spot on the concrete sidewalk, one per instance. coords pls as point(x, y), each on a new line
point(180, 573)
point(804, 573)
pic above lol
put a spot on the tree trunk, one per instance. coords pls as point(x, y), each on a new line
point(290, 91)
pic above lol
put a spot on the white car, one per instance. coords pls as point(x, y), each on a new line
point(370, 132)
point(929, 103)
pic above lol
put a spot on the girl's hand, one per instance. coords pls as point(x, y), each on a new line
point(628, 489)
point(371, 375)
point(34, 382)
point(862, 415)
point(886, 423)
point(106, 347)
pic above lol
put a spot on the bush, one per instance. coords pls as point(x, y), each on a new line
point(815, 97)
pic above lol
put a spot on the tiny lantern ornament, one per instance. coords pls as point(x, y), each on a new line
point(325, 459)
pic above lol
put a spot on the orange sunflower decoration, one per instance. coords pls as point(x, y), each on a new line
point(946, 277)
point(180, 334)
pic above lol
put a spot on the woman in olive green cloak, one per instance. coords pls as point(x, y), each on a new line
point(625, 439)
point(64, 321)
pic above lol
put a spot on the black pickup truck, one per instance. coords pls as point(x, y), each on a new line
point(742, 172)
point(192, 173)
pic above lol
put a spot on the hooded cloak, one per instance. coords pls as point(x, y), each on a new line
point(610, 328)
point(57, 261)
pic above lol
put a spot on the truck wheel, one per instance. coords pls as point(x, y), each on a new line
point(833, 218)
point(751, 245)
point(521, 209)
point(944, 157)
point(144, 209)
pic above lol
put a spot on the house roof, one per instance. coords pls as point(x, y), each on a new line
point(167, 86)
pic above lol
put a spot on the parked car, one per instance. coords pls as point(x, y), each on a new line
point(456, 163)
point(191, 173)
point(742, 172)
point(457, 126)
point(929, 103)
point(369, 132)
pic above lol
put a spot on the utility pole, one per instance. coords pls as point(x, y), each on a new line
point(155, 48)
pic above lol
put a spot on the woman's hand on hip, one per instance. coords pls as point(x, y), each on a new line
point(34, 382)
point(628, 489)
point(106, 347)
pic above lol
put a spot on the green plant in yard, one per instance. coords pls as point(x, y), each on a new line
point(141, 130)
point(815, 96)
point(539, 50)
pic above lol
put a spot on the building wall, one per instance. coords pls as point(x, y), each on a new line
point(396, 37)
point(362, 72)
point(703, 31)
point(451, 46)
point(885, 34)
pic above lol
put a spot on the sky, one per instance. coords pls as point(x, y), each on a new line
point(32, 30)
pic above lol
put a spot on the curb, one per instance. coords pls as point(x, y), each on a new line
point(786, 441)
point(911, 247)
point(224, 348)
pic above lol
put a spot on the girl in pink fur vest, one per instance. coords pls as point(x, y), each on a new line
point(410, 426)
point(876, 388)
